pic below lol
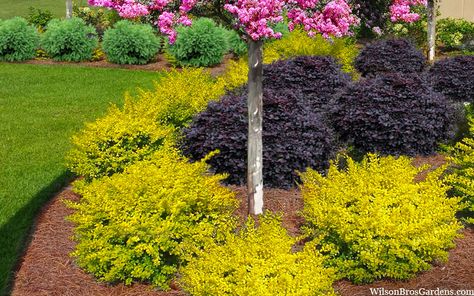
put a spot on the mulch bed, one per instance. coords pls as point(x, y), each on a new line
point(47, 269)
point(161, 64)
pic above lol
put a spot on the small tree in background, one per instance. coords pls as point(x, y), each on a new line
point(68, 8)
point(255, 20)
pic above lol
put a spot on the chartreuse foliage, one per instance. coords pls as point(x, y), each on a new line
point(296, 43)
point(18, 40)
point(144, 223)
point(258, 261)
point(179, 95)
point(463, 178)
point(69, 40)
point(111, 143)
point(375, 221)
point(125, 136)
point(130, 43)
point(202, 44)
point(236, 74)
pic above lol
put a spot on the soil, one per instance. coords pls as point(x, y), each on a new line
point(161, 64)
point(47, 269)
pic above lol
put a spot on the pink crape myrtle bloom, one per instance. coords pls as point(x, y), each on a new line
point(335, 19)
point(257, 17)
point(400, 10)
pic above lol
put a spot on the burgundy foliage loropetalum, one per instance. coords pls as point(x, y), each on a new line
point(454, 77)
point(393, 113)
point(257, 18)
point(392, 55)
point(316, 78)
point(294, 135)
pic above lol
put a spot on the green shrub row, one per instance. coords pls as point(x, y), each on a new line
point(201, 45)
point(73, 40)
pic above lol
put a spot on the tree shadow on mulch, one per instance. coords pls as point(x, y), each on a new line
point(47, 268)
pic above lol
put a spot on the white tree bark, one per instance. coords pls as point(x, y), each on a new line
point(255, 118)
point(68, 9)
point(431, 30)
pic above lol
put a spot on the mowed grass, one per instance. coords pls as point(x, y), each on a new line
point(40, 108)
point(11, 8)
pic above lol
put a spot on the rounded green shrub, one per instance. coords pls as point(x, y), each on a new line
point(110, 144)
point(237, 46)
point(201, 45)
point(69, 40)
point(258, 261)
point(130, 43)
point(144, 223)
point(375, 221)
point(18, 40)
point(454, 33)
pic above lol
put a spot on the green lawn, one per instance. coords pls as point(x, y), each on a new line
point(40, 108)
point(11, 8)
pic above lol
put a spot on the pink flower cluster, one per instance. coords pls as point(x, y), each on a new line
point(401, 10)
point(125, 8)
point(335, 19)
point(257, 17)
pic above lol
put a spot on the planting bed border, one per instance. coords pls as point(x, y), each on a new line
point(47, 269)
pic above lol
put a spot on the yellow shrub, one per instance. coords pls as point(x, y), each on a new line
point(296, 43)
point(123, 137)
point(235, 75)
point(179, 95)
point(144, 223)
point(258, 261)
point(115, 141)
point(463, 178)
point(375, 221)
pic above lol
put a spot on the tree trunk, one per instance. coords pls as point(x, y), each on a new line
point(431, 30)
point(68, 9)
point(254, 144)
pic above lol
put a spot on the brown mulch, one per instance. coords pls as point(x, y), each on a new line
point(47, 269)
point(161, 64)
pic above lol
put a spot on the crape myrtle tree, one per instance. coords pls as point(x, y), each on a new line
point(431, 12)
point(255, 20)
